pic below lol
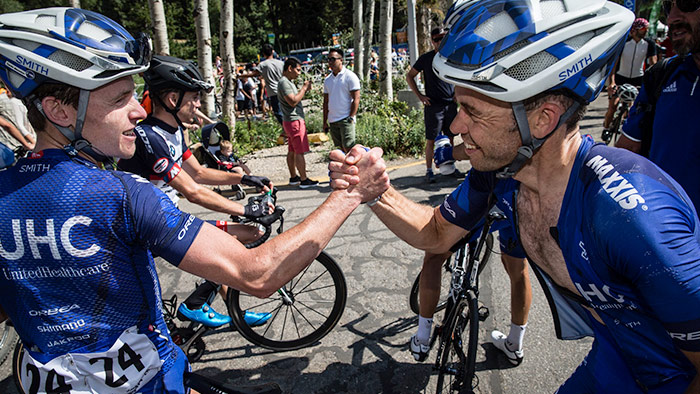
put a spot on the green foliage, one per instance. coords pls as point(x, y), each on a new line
point(250, 136)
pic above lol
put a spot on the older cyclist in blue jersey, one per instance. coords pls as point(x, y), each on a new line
point(614, 238)
point(77, 242)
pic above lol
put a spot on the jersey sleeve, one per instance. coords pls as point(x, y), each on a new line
point(156, 158)
point(468, 204)
point(353, 82)
point(159, 225)
point(655, 246)
point(418, 65)
point(632, 127)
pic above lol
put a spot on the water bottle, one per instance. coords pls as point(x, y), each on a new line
point(447, 167)
point(266, 201)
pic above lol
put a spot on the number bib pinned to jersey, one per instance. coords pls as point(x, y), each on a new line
point(128, 365)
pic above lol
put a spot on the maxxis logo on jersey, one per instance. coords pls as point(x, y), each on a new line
point(160, 165)
point(617, 187)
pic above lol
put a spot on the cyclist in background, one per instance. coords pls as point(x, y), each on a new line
point(78, 278)
point(638, 52)
point(615, 240)
point(175, 86)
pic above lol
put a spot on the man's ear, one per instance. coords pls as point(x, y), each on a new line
point(58, 112)
point(544, 118)
point(170, 99)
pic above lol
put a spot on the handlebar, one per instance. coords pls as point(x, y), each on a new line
point(265, 221)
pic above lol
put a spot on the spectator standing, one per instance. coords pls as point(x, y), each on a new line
point(270, 70)
point(439, 108)
point(240, 97)
point(293, 122)
point(675, 133)
point(638, 50)
point(341, 99)
point(16, 112)
point(11, 138)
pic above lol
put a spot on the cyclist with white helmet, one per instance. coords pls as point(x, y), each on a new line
point(77, 242)
point(614, 241)
point(512, 257)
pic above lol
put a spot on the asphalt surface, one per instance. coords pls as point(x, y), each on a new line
point(367, 350)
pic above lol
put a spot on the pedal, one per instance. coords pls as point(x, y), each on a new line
point(483, 313)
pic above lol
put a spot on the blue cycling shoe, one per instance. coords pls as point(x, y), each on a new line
point(205, 315)
point(255, 319)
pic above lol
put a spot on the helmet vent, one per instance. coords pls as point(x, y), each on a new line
point(531, 66)
point(69, 60)
point(552, 8)
point(596, 78)
point(93, 31)
point(580, 40)
point(46, 20)
point(497, 27)
point(28, 45)
point(511, 49)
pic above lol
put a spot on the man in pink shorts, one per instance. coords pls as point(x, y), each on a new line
point(293, 122)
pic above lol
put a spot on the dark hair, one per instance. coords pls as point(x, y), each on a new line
point(291, 62)
point(64, 93)
point(267, 50)
point(339, 51)
point(437, 31)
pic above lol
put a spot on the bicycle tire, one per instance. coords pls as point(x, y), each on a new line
point(413, 300)
point(16, 363)
point(8, 338)
point(615, 129)
point(458, 360)
point(317, 300)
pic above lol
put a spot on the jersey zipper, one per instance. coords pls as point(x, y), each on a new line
point(692, 91)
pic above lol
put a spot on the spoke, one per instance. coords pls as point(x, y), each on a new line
point(302, 315)
point(316, 289)
point(263, 302)
point(311, 309)
point(291, 282)
point(272, 319)
point(312, 282)
point(284, 323)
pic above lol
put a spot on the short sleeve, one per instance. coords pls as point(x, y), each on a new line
point(418, 65)
point(160, 226)
point(467, 205)
point(325, 86)
point(353, 82)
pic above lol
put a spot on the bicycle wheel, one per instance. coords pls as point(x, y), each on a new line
point(413, 299)
point(302, 312)
point(458, 361)
point(614, 129)
point(16, 366)
point(8, 337)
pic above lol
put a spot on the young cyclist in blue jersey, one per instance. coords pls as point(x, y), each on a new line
point(163, 157)
point(77, 242)
point(613, 239)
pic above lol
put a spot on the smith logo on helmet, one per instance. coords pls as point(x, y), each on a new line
point(26, 74)
point(578, 66)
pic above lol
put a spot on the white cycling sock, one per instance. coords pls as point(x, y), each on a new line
point(516, 335)
point(425, 326)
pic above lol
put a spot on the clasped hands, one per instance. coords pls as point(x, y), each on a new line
point(362, 172)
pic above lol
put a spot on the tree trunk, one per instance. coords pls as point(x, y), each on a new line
point(423, 29)
point(228, 62)
point(359, 60)
point(201, 24)
point(368, 35)
point(386, 16)
point(75, 3)
point(160, 27)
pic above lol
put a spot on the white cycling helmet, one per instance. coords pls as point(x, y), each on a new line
point(628, 93)
point(513, 50)
point(71, 46)
point(455, 12)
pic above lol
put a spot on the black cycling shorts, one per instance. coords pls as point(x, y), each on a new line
point(439, 117)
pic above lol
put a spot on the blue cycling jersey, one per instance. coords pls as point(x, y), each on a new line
point(77, 276)
point(631, 241)
point(676, 136)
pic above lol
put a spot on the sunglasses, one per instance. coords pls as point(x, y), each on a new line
point(683, 5)
point(437, 39)
point(332, 59)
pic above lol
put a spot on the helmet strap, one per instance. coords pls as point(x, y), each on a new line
point(173, 111)
point(530, 145)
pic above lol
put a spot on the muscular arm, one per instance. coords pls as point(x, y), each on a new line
point(294, 99)
point(209, 176)
point(355, 94)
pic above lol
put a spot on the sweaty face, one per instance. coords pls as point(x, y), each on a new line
point(487, 126)
point(684, 29)
point(112, 114)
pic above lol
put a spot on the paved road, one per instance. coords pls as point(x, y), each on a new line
point(367, 351)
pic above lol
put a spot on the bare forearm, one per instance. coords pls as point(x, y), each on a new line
point(209, 199)
point(355, 105)
point(210, 176)
point(412, 84)
point(325, 110)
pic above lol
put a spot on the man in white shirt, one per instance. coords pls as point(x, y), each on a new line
point(341, 99)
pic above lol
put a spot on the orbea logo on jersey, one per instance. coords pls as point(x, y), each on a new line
point(615, 185)
point(160, 165)
point(54, 311)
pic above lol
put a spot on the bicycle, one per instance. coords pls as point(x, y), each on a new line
point(457, 334)
point(8, 338)
point(627, 94)
point(302, 312)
